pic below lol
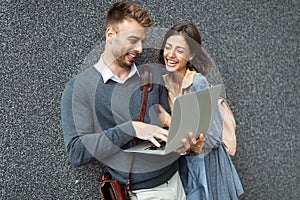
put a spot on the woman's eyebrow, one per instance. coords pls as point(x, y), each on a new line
point(175, 46)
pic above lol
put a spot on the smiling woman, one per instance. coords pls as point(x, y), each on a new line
point(177, 54)
point(211, 175)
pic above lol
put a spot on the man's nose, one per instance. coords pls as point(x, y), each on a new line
point(139, 47)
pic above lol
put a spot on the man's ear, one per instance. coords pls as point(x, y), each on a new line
point(109, 33)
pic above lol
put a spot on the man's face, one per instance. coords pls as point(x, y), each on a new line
point(128, 42)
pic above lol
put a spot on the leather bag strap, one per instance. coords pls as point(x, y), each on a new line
point(146, 86)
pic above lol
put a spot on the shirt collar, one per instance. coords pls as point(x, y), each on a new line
point(188, 79)
point(107, 74)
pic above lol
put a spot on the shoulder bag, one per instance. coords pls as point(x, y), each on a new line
point(229, 126)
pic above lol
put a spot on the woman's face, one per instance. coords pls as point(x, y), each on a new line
point(176, 54)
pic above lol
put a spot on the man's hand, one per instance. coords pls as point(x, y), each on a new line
point(195, 145)
point(150, 132)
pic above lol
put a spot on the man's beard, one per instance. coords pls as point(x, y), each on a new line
point(121, 60)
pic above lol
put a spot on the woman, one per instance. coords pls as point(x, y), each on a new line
point(186, 63)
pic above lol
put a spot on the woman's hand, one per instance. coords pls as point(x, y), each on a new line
point(164, 117)
point(195, 146)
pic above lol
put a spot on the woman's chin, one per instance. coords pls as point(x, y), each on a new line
point(171, 69)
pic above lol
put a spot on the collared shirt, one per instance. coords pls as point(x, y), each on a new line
point(185, 87)
point(107, 74)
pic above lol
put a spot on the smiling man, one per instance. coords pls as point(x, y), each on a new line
point(101, 107)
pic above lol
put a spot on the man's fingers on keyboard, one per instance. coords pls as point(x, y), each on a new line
point(161, 137)
point(154, 141)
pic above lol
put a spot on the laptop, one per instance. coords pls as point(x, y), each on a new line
point(193, 112)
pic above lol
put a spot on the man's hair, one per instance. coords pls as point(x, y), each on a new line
point(125, 11)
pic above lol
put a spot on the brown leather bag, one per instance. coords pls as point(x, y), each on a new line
point(112, 189)
point(229, 126)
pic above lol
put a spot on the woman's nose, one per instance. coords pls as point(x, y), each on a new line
point(171, 53)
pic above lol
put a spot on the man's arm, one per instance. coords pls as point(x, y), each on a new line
point(76, 151)
point(83, 145)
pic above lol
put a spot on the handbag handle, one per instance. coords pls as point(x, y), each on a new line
point(146, 86)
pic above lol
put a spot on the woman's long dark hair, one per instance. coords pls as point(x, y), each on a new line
point(200, 62)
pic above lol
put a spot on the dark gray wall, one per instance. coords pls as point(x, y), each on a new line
point(255, 45)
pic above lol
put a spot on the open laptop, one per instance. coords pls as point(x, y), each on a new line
point(193, 112)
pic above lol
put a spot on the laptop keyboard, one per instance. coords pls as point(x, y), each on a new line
point(153, 147)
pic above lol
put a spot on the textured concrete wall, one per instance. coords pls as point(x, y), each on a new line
point(255, 45)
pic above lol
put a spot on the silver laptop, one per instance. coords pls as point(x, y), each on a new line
point(192, 112)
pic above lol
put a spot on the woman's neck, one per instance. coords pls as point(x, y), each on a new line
point(177, 79)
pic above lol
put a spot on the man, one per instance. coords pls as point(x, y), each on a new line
point(101, 107)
